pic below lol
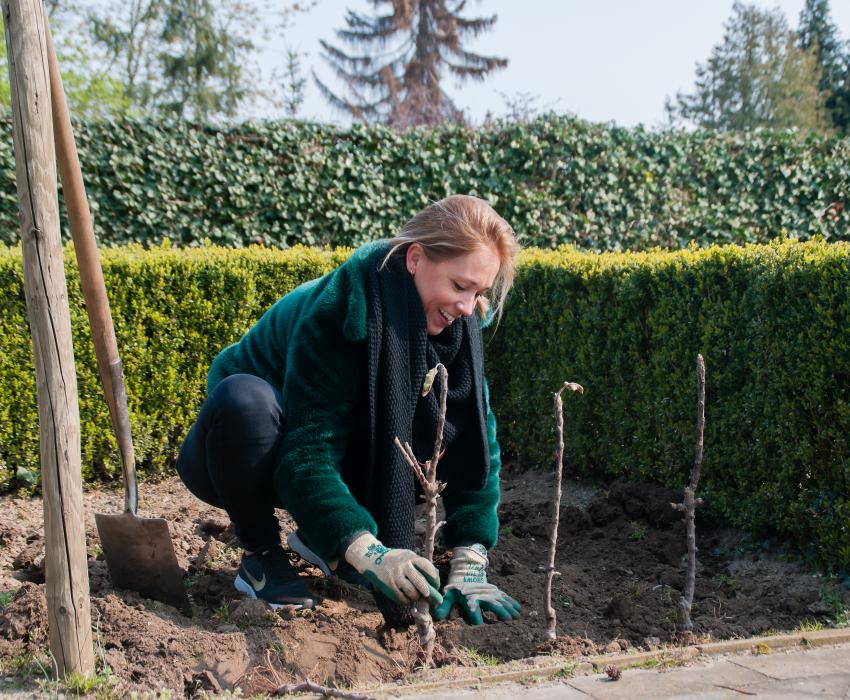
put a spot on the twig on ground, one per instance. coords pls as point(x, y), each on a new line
point(306, 686)
point(556, 506)
point(689, 506)
point(310, 687)
point(426, 474)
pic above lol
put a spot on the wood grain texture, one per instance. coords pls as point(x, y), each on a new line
point(67, 583)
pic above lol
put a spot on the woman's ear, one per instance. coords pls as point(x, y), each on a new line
point(413, 256)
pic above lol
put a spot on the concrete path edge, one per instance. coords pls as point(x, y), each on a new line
point(595, 664)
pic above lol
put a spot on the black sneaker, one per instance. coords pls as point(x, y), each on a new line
point(298, 544)
point(269, 576)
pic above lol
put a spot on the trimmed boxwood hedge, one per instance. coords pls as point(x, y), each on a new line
point(772, 321)
point(558, 180)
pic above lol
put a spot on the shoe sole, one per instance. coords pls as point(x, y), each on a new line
point(241, 585)
point(296, 544)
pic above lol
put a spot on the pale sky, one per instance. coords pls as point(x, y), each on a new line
point(602, 60)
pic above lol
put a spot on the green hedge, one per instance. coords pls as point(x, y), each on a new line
point(773, 323)
point(558, 180)
point(173, 311)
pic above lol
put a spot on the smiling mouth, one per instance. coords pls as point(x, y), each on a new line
point(448, 318)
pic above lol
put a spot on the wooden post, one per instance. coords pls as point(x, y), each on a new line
point(66, 567)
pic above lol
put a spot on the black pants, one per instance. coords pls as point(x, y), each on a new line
point(229, 456)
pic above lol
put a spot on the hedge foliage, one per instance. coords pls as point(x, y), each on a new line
point(558, 180)
point(773, 323)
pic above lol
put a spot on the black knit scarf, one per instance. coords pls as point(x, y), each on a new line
point(450, 349)
point(400, 354)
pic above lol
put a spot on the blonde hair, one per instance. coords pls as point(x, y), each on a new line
point(462, 224)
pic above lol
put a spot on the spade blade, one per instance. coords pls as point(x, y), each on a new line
point(140, 557)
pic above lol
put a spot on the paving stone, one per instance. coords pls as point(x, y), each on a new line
point(822, 672)
point(832, 686)
point(684, 682)
point(803, 664)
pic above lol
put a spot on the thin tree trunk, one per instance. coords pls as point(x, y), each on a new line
point(689, 506)
point(66, 570)
point(426, 474)
point(551, 618)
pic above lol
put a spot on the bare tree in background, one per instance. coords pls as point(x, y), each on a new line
point(405, 53)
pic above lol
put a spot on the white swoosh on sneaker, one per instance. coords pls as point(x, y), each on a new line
point(257, 585)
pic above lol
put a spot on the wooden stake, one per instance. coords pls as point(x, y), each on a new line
point(551, 618)
point(66, 568)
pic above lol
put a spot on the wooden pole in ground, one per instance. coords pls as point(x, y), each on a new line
point(66, 568)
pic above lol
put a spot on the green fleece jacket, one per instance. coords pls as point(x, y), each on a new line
point(311, 345)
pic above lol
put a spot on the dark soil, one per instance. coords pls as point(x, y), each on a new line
point(620, 556)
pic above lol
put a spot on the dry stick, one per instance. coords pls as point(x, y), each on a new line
point(310, 687)
point(556, 506)
point(689, 506)
point(431, 489)
point(307, 686)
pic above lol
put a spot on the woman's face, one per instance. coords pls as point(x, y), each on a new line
point(450, 288)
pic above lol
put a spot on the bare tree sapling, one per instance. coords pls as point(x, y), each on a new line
point(426, 473)
point(689, 506)
point(556, 505)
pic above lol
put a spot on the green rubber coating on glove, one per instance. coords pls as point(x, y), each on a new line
point(506, 609)
point(434, 596)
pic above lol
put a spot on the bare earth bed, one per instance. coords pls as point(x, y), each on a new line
point(620, 555)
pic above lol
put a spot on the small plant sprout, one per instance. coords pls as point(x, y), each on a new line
point(426, 473)
point(551, 619)
point(637, 530)
point(689, 507)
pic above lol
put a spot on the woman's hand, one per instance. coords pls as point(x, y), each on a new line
point(468, 589)
point(401, 575)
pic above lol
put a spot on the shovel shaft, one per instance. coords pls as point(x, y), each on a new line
point(91, 279)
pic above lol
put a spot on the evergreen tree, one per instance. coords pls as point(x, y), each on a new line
point(406, 52)
point(294, 84)
point(756, 77)
point(818, 33)
point(201, 62)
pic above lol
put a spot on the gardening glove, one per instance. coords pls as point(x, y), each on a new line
point(401, 575)
point(468, 588)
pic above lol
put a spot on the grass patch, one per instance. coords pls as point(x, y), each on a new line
point(637, 530)
point(477, 658)
point(223, 613)
point(100, 686)
point(6, 597)
point(809, 625)
point(663, 662)
point(839, 614)
point(568, 671)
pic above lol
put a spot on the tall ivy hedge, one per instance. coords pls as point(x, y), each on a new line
point(773, 323)
point(558, 180)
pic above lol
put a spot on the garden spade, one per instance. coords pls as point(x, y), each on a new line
point(139, 551)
